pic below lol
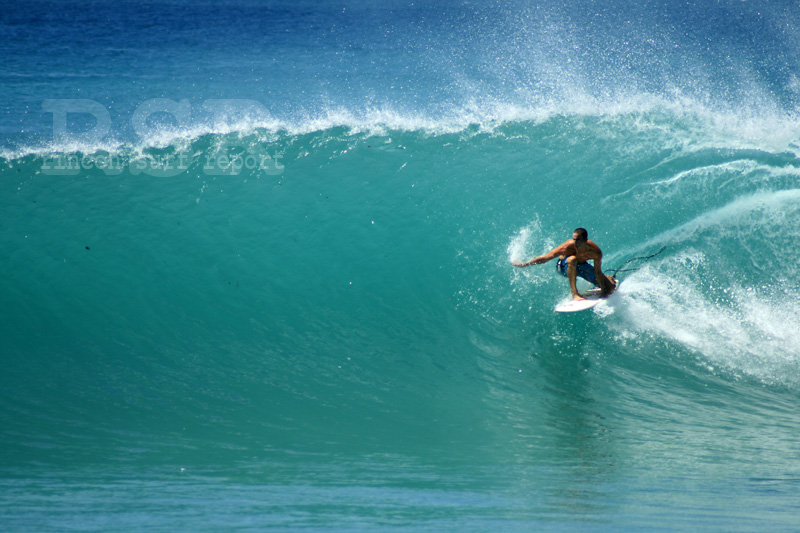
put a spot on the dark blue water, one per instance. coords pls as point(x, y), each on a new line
point(257, 266)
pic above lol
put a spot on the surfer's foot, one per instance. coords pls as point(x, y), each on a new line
point(613, 288)
point(577, 297)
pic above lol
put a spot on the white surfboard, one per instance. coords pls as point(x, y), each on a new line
point(573, 306)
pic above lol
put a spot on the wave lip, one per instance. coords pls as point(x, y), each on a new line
point(765, 127)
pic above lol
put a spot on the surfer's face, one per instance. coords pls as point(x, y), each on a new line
point(579, 244)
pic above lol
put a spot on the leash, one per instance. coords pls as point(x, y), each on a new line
point(643, 259)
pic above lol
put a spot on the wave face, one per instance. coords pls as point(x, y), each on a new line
point(314, 304)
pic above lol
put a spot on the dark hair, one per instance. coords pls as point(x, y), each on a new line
point(582, 234)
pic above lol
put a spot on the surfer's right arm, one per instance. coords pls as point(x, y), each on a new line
point(552, 254)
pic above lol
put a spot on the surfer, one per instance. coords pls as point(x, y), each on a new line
point(572, 262)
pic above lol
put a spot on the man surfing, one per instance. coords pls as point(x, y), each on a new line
point(572, 262)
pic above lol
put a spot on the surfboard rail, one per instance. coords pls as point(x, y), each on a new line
point(592, 298)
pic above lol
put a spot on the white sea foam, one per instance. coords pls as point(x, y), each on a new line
point(725, 290)
point(518, 248)
point(679, 121)
point(747, 331)
point(529, 242)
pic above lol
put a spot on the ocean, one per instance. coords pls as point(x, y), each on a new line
point(257, 271)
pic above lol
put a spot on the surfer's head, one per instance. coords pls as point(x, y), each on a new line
point(580, 235)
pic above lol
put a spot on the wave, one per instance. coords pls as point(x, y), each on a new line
point(366, 274)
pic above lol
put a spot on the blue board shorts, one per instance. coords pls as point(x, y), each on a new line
point(585, 270)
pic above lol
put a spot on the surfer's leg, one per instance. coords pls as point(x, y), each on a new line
point(586, 271)
point(561, 266)
point(572, 274)
point(609, 285)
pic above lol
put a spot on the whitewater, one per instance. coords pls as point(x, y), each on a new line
point(257, 266)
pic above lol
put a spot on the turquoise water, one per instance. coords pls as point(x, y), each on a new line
point(303, 315)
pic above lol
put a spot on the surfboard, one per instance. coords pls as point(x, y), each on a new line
point(573, 306)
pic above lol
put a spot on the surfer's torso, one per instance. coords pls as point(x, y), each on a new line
point(588, 252)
